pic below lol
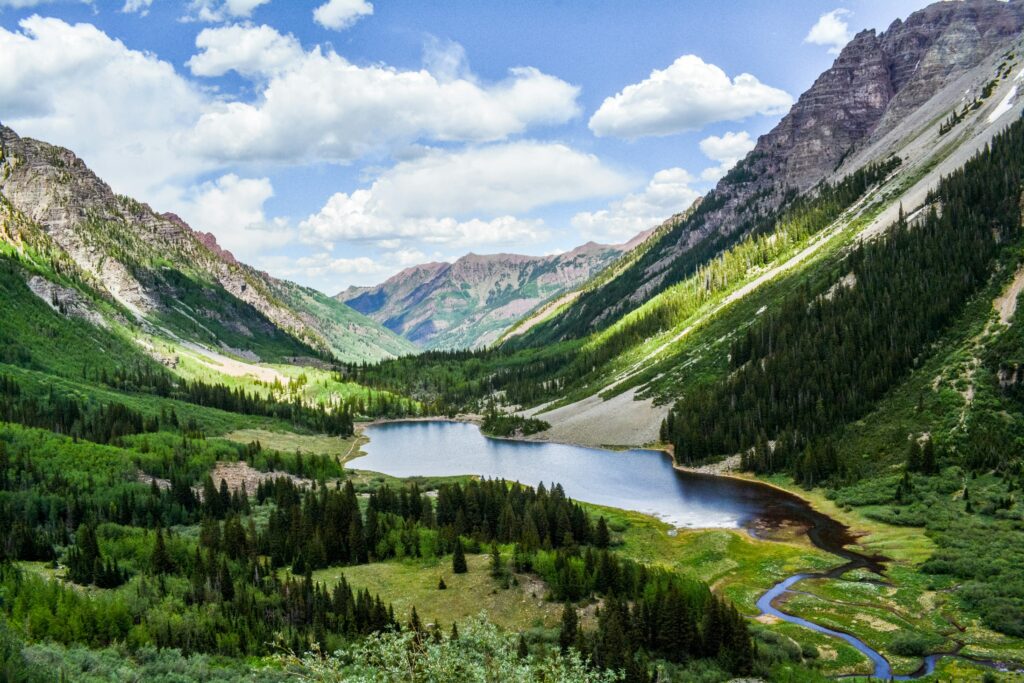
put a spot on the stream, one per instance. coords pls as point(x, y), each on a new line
point(639, 480)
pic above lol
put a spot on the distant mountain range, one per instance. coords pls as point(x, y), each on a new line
point(469, 303)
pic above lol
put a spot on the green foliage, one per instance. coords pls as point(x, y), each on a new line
point(824, 358)
point(710, 262)
point(459, 558)
point(479, 654)
point(506, 424)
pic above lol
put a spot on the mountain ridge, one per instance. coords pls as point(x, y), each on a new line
point(160, 271)
point(875, 82)
point(470, 302)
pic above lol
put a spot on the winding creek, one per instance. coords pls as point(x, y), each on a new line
point(639, 480)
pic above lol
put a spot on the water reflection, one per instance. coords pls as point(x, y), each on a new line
point(640, 480)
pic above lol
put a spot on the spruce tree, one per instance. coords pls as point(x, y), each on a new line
point(161, 561)
point(459, 558)
point(603, 538)
point(570, 627)
point(497, 565)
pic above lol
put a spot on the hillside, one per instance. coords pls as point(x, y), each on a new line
point(144, 268)
point(613, 386)
point(469, 303)
point(877, 83)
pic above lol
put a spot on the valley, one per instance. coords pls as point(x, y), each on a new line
point(775, 436)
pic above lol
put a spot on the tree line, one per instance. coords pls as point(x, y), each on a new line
point(821, 358)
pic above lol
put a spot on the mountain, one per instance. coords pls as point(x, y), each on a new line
point(125, 260)
point(915, 70)
point(862, 152)
point(470, 302)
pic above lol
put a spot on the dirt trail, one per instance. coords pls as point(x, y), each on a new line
point(1006, 303)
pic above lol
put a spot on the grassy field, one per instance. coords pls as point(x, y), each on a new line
point(733, 562)
point(344, 449)
point(411, 583)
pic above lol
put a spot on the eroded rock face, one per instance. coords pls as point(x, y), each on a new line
point(875, 82)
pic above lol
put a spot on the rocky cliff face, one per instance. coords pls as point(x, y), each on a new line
point(160, 271)
point(469, 303)
point(877, 81)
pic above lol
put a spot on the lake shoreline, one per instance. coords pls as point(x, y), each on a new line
point(724, 468)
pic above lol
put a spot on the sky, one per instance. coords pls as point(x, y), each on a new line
point(336, 142)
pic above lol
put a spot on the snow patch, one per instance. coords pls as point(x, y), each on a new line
point(1007, 103)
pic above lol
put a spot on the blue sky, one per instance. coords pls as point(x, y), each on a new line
point(335, 142)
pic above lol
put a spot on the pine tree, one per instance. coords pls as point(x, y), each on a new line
point(523, 651)
point(570, 627)
point(602, 539)
point(497, 565)
point(161, 562)
point(459, 558)
point(414, 622)
point(441, 585)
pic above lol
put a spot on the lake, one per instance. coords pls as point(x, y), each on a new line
point(639, 480)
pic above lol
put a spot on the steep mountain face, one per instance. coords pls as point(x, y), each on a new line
point(156, 271)
point(877, 82)
point(469, 303)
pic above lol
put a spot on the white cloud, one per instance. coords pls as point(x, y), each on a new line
point(340, 14)
point(137, 6)
point(688, 95)
point(24, 4)
point(333, 273)
point(117, 108)
point(251, 51)
point(464, 198)
point(221, 10)
point(322, 107)
point(232, 209)
point(446, 60)
point(507, 178)
point(832, 30)
point(667, 193)
point(726, 150)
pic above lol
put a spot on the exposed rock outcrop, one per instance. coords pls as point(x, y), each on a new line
point(876, 82)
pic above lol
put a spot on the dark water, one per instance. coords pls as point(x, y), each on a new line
point(640, 480)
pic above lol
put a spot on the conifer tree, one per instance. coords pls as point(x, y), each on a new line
point(459, 558)
point(161, 562)
point(570, 627)
point(602, 539)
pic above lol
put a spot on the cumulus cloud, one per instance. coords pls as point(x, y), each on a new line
point(831, 30)
point(250, 51)
point(221, 10)
point(726, 150)
point(322, 107)
point(466, 198)
point(74, 86)
point(24, 4)
point(232, 208)
point(137, 6)
point(688, 95)
point(667, 193)
point(332, 273)
point(340, 14)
